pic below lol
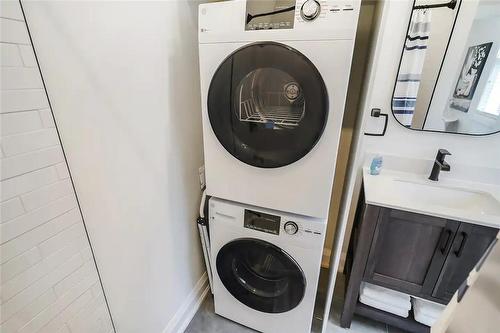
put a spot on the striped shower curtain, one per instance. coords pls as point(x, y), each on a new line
point(412, 63)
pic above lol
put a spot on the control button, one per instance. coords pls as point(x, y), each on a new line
point(291, 228)
point(310, 10)
point(347, 8)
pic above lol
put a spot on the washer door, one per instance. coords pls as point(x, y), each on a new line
point(261, 275)
point(267, 104)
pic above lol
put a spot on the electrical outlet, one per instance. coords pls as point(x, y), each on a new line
point(201, 172)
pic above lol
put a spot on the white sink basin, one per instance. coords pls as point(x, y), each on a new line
point(456, 199)
point(433, 194)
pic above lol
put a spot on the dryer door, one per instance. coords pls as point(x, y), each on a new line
point(267, 104)
point(261, 275)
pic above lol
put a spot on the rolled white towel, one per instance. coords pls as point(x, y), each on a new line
point(424, 319)
point(381, 299)
point(383, 306)
point(385, 295)
point(427, 308)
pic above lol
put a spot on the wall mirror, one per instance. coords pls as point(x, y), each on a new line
point(449, 73)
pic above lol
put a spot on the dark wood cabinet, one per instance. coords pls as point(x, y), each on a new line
point(423, 256)
point(408, 251)
point(469, 245)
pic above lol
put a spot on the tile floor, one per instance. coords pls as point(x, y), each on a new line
point(206, 321)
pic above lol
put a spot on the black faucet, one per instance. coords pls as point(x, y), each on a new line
point(439, 164)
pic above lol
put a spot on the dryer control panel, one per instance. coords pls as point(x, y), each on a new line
point(283, 14)
point(271, 14)
point(277, 20)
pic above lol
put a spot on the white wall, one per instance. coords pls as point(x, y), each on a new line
point(123, 81)
point(49, 281)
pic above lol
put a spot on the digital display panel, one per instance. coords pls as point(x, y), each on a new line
point(271, 14)
point(262, 222)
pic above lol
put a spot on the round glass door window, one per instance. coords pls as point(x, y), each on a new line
point(261, 275)
point(267, 105)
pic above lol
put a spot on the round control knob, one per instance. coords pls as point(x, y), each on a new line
point(310, 10)
point(291, 228)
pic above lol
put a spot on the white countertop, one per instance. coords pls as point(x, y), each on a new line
point(453, 197)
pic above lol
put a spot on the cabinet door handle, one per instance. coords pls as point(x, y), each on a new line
point(445, 239)
point(458, 252)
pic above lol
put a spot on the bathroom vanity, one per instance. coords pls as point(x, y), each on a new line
point(418, 237)
point(422, 225)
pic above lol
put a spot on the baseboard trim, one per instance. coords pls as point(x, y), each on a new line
point(188, 309)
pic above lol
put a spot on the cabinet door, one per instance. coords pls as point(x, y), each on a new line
point(408, 251)
point(469, 245)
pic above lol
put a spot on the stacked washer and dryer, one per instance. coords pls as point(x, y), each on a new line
point(274, 77)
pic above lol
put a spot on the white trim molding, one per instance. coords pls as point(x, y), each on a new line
point(325, 260)
point(188, 309)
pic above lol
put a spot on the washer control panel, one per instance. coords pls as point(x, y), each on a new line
point(262, 222)
point(298, 229)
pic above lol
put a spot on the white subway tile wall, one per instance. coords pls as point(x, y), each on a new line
point(49, 282)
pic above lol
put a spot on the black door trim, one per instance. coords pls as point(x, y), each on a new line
point(267, 144)
point(261, 275)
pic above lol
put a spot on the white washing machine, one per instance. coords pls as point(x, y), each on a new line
point(274, 77)
point(267, 266)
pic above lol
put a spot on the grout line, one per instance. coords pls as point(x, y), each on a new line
point(25, 110)
point(34, 247)
point(22, 204)
point(37, 169)
point(11, 19)
point(43, 187)
point(57, 266)
point(30, 151)
point(22, 66)
point(55, 235)
point(22, 58)
point(23, 193)
point(10, 240)
point(12, 43)
point(31, 131)
point(21, 89)
point(74, 300)
point(17, 89)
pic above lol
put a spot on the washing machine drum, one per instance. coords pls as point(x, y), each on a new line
point(261, 275)
point(267, 104)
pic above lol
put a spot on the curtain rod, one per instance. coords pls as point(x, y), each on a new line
point(451, 5)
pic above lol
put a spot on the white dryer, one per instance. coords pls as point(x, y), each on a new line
point(267, 266)
point(274, 77)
